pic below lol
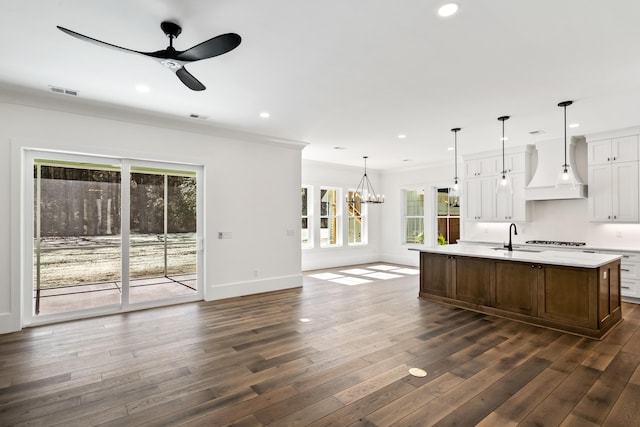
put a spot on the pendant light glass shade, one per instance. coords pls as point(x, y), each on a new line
point(364, 191)
point(566, 176)
point(504, 182)
point(456, 186)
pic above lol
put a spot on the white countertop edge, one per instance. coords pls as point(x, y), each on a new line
point(555, 257)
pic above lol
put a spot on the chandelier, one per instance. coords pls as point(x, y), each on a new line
point(364, 191)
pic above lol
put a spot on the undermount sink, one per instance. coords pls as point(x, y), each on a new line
point(516, 250)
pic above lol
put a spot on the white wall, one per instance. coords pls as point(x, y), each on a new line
point(316, 175)
point(252, 188)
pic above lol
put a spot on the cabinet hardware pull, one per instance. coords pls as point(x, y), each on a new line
point(540, 266)
point(624, 269)
point(614, 217)
point(614, 158)
point(590, 252)
point(608, 159)
point(625, 287)
point(626, 256)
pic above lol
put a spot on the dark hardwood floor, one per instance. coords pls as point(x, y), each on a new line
point(250, 361)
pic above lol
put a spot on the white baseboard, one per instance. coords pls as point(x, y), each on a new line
point(238, 289)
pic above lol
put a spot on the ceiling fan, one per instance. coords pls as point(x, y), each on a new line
point(173, 59)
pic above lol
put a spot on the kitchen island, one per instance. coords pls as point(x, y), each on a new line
point(568, 291)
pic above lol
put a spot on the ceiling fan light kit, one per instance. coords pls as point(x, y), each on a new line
point(171, 58)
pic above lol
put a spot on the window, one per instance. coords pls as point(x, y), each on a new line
point(329, 217)
point(414, 216)
point(357, 222)
point(448, 216)
point(306, 234)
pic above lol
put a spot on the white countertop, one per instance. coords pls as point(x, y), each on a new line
point(555, 257)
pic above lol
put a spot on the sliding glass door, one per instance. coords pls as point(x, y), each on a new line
point(162, 242)
point(99, 246)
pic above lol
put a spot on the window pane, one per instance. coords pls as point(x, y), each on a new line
point(415, 203)
point(415, 230)
point(355, 230)
point(443, 201)
point(454, 205)
point(304, 201)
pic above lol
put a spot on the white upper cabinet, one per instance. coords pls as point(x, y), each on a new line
point(481, 200)
point(614, 180)
point(480, 167)
point(615, 150)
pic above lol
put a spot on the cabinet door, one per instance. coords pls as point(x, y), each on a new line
point(472, 199)
point(599, 201)
point(435, 274)
point(569, 295)
point(518, 202)
point(624, 191)
point(487, 199)
point(624, 149)
point(473, 280)
point(517, 287)
point(514, 163)
point(480, 167)
point(512, 206)
point(599, 152)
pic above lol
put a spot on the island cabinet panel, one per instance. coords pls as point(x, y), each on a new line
point(473, 280)
point(569, 295)
point(580, 300)
point(517, 287)
point(437, 273)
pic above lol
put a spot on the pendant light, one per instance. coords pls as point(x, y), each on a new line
point(364, 191)
point(455, 159)
point(566, 178)
point(504, 183)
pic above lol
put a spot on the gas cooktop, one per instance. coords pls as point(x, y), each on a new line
point(554, 242)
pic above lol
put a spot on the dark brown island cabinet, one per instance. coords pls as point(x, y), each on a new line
point(562, 292)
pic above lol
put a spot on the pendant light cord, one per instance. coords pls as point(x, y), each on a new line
point(564, 105)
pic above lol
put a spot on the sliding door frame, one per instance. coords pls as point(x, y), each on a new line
point(27, 253)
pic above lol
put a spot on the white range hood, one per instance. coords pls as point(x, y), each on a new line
point(544, 184)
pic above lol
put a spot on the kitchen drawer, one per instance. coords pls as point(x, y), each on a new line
point(629, 270)
point(630, 257)
point(630, 288)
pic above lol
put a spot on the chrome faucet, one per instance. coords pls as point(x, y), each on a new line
point(515, 232)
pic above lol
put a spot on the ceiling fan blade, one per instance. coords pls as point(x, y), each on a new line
point(210, 48)
point(95, 41)
point(188, 79)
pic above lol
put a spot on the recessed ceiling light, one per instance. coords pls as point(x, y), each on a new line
point(142, 88)
point(448, 9)
point(574, 125)
point(304, 320)
point(339, 148)
point(402, 136)
point(450, 148)
point(265, 115)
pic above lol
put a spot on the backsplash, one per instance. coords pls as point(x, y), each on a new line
point(564, 220)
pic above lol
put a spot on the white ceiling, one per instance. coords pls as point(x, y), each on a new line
point(349, 73)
